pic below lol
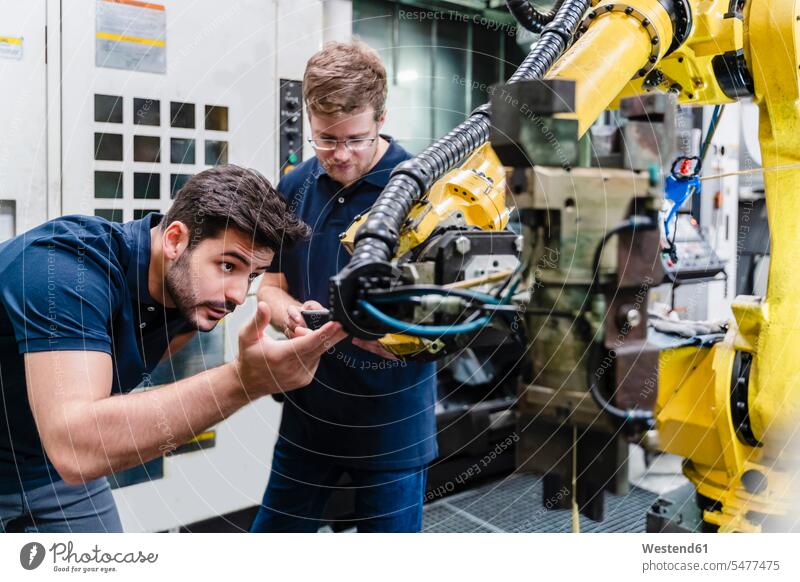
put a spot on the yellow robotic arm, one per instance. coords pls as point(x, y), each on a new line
point(691, 48)
point(474, 194)
point(731, 410)
point(471, 196)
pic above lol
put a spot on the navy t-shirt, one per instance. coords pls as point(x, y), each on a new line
point(74, 283)
point(361, 410)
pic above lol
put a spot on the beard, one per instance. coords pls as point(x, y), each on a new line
point(357, 167)
point(178, 283)
point(353, 172)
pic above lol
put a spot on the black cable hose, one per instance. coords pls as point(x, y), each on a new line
point(529, 17)
point(634, 222)
point(636, 419)
point(377, 238)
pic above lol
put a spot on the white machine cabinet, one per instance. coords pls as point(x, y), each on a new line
point(23, 119)
point(108, 107)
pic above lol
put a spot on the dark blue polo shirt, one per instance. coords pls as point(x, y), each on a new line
point(74, 283)
point(361, 410)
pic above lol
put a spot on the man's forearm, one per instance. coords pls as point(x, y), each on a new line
point(135, 428)
point(87, 432)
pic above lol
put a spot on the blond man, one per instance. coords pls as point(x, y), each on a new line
point(366, 415)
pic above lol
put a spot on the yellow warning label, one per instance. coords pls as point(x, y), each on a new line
point(125, 38)
point(209, 434)
point(11, 47)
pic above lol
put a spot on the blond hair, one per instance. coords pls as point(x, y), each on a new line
point(345, 77)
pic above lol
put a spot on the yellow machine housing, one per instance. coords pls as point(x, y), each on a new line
point(617, 52)
point(615, 57)
point(474, 194)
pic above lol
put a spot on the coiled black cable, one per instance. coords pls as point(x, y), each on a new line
point(556, 37)
point(529, 17)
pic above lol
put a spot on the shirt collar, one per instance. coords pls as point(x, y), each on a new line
point(379, 175)
point(138, 271)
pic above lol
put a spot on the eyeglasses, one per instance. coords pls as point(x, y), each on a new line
point(353, 145)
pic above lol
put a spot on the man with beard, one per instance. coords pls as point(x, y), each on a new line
point(87, 310)
point(366, 415)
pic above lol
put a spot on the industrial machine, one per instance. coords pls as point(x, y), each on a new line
point(515, 239)
point(593, 263)
point(726, 404)
point(596, 256)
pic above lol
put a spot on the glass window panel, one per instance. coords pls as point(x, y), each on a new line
point(146, 186)
point(176, 182)
point(181, 150)
point(112, 214)
point(409, 100)
point(108, 184)
point(373, 23)
point(140, 213)
point(8, 219)
point(145, 473)
point(146, 111)
point(181, 114)
point(485, 62)
point(108, 108)
point(216, 118)
point(216, 152)
point(108, 146)
point(514, 56)
point(449, 94)
point(146, 148)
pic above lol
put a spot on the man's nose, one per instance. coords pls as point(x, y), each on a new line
point(236, 292)
point(341, 152)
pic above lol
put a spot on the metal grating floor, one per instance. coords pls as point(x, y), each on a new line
point(443, 518)
point(514, 504)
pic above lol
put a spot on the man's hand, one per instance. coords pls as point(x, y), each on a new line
point(267, 366)
point(295, 319)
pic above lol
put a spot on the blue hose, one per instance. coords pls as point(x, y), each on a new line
point(427, 331)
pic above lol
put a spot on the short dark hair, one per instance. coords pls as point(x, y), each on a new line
point(230, 196)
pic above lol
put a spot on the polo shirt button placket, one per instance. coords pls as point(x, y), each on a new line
point(341, 199)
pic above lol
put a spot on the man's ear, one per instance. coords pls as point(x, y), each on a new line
point(382, 119)
point(175, 240)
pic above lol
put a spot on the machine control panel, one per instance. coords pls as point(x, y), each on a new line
point(696, 258)
point(291, 125)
